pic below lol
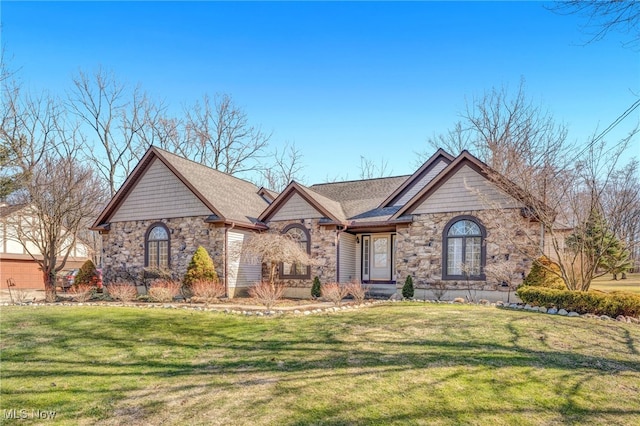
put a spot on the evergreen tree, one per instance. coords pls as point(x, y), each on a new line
point(407, 289)
point(316, 289)
point(200, 268)
point(87, 274)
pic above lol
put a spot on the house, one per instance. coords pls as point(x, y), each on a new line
point(443, 225)
point(16, 262)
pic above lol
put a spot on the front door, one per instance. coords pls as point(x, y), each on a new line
point(380, 258)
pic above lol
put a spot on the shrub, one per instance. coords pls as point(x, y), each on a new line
point(207, 290)
point(407, 288)
point(316, 288)
point(164, 290)
point(439, 289)
point(87, 274)
point(200, 268)
point(334, 292)
point(357, 291)
point(266, 293)
point(610, 304)
point(81, 292)
point(541, 274)
point(122, 291)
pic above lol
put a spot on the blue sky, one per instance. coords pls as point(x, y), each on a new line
point(340, 80)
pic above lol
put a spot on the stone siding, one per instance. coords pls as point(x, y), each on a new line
point(124, 248)
point(323, 241)
point(420, 245)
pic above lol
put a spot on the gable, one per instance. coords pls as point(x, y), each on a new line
point(159, 194)
point(296, 207)
point(421, 182)
point(465, 190)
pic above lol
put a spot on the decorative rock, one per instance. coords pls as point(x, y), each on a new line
point(552, 311)
point(604, 317)
point(307, 312)
point(458, 300)
point(296, 312)
point(513, 306)
point(396, 296)
point(573, 314)
point(633, 320)
point(535, 309)
point(562, 312)
point(528, 307)
point(621, 318)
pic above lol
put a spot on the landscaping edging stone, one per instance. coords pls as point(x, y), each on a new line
point(308, 310)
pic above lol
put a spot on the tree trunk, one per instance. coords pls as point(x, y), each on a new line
point(49, 286)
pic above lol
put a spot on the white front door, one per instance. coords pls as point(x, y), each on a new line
point(380, 258)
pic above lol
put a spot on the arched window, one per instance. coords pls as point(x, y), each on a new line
point(296, 270)
point(157, 246)
point(464, 255)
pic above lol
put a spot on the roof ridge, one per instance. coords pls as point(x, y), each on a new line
point(181, 158)
point(360, 180)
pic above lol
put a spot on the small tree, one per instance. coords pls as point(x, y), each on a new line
point(200, 268)
point(544, 273)
point(316, 288)
point(87, 274)
point(407, 288)
point(272, 249)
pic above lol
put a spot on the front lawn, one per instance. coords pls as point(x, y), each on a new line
point(607, 284)
point(389, 364)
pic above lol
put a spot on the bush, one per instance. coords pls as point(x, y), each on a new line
point(207, 290)
point(122, 291)
point(266, 293)
point(541, 275)
point(87, 274)
point(164, 290)
point(81, 292)
point(200, 268)
point(334, 292)
point(610, 304)
point(316, 288)
point(407, 288)
point(357, 291)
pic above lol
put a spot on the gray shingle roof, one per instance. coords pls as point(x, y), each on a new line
point(360, 197)
point(235, 199)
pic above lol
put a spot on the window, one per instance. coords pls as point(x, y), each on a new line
point(157, 245)
point(463, 249)
point(296, 270)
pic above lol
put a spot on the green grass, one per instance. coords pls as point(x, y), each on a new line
point(394, 364)
point(607, 284)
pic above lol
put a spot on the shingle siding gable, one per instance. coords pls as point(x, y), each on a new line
point(159, 194)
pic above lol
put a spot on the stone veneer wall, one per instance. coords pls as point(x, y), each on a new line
point(419, 248)
point(124, 251)
point(323, 247)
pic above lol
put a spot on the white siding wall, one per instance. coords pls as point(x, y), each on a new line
point(417, 186)
point(466, 190)
point(296, 208)
point(347, 258)
point(159, 194)
point(241, 271)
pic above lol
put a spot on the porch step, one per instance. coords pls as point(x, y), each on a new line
point(381, 290)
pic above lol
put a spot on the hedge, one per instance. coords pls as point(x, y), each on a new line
point(610, 304)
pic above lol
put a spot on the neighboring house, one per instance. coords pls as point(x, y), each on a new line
point(15, 260)
point(438, 225)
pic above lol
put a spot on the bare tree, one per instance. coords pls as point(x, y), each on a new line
point(31, 128)
point(116, 117)
point(602, 17)
point(60, 199)
point(370, 170)
point(220, 136)
point(286, 166)
point(273, 249)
